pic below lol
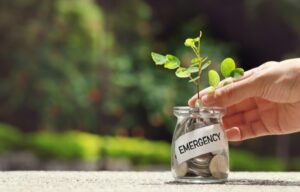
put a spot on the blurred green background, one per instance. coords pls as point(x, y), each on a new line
point(78, 89)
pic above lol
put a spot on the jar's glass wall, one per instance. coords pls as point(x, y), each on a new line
point(199, 147)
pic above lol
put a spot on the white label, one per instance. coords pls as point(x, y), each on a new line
point(198, 142)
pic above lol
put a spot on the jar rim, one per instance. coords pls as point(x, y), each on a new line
point(197, 108)
point(187, 110)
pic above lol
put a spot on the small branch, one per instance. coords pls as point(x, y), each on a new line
point(200, 65)
point(193, 81)
point(195, 51)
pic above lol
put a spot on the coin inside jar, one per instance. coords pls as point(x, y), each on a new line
point(217, 152)
point(194, 124)
point(218, 166)
point(200, 165)
point(202, 159)
point(204, 172)
point(198, 131)
point(181, 169)
point(214, 120)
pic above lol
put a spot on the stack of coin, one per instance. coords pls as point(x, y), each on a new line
point(207, 165)
point(181, 169)
point(219, 166)
point(199, 165)
point(214, 164)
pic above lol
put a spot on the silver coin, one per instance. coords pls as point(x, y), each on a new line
point(193, 124)
point(217, 152)
point(193, 165)
point(198, 166)
point(181, 169)
point(202, 159)
point(214, 120)
point(207, 121)
point(197, 125)
point(219, 166)
point(200, 172)
point(180, 128)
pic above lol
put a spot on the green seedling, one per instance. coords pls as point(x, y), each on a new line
point(197, 65)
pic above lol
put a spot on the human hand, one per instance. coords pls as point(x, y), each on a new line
point(265, 101)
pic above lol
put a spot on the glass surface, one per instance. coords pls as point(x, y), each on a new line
point(211, 167)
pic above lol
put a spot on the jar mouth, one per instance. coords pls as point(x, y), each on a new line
point(186, 110)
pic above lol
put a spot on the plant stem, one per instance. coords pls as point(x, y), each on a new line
point(199, 71)
point(195, 51)
point(193, 81)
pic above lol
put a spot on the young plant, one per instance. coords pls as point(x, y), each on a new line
point(197, 65)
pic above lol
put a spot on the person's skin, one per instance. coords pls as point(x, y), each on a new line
point(265, 101)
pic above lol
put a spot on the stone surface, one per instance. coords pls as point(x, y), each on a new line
point(62, 181)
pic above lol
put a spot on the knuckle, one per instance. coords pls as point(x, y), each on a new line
point(260, 84)
point(242, 135)
point(253, 129)
point(268, 64)
point(225, 95)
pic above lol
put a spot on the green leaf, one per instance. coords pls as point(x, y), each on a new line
point(227, 66)
point(211, 90)
point(171, 65)
point(226, 83)
point(189, 42)
point(200, 35)
point(197, 39)
point(198, 103)
point(158, 58)
point(204, 59)
point(236, 73)
point(195, 60)
point(172, 62)
point(213, 78)
point(193, 69)
point(194, 79)
point(182, 72)
point(205, 65)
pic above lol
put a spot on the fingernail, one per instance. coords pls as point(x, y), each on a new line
point(208, 99)
point(190, 102)
point(233, 134)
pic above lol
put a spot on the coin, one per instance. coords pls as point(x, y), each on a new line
point(214, 120)
point(207, 121)
point(193, 165)
point(202, 159)
point(217, 152)
point(218, 166)
point(200, 165)
point(200, 172)
point(181, 169)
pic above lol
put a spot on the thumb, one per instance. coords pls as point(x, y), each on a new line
point(232, 93)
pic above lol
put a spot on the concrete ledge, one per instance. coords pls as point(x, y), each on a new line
point(64, 181)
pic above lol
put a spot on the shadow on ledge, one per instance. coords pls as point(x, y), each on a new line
point(262, 182)
point(265, 182)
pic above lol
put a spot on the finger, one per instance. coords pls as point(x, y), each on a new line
point(233, 134)
point(232, 94)
point(259, 129)
point(247, 74)
point(229, 80)
point(232, 121)
point(244, 105)
point(246, 131)
point(270, 116)
point(245, 117)
point(263, 104)
point(205, 91)
point(192, 100)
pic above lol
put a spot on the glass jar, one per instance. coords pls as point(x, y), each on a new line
point(199, 146)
